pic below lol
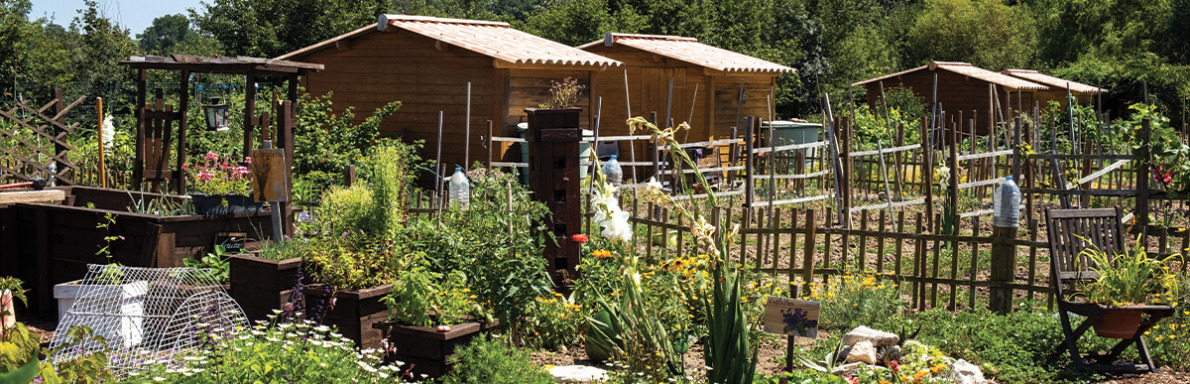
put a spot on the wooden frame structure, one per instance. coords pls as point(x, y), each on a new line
point(1070, 232)
point(154, 126)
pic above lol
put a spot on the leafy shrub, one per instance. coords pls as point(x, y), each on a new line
point(489, 361)
point(857, 299)
point(327, 142)
point(425, 298)
point(351, 262)
point(346, 210)
point(554, 322)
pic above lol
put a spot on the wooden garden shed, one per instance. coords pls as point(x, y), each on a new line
point(1085, 94)
point(962, 89)
point(426, 63)
point(706, 84)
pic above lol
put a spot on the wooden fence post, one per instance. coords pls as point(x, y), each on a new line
point(1003, 268)
point(1141, 218)
point(60, 150)
point(749, 184)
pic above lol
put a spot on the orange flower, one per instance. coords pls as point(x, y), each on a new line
point(579, 238)
point(601, 253)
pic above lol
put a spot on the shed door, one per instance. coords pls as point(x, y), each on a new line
point(655, 90)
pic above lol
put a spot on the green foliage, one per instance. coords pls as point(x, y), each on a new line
point(1129, 278)
point(213, 266)
point(327, 142)
point(800, 377)
point(727, 347)
point(285, 249)
point(171, 34)
point(91, 366)
point(986, 33)
point(857, 299)
point(489, 361)
point(553, 323)
point(162, 205)
point(351, 262)
point(281, 353)
point(376, 208)
point(269, 28)
point(425, 298)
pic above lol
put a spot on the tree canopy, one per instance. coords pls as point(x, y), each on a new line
point(1119, 44)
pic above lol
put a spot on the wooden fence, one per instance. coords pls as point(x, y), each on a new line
point(34, 140)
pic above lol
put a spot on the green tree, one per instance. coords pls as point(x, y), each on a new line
point(172, 34)
point(95, 58)
point(986, 33)
point(14, 29)
point(577, 22)
point(269, 28)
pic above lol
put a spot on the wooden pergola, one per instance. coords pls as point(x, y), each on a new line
point(154, 123)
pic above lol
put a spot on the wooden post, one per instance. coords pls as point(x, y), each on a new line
point(807, 253)
point(60, 151)
point(183, 106)
point(249, 111)
point(749, 182)
point(844, 125)
point(897, 176)
point(1141, 218)
point(1003, 268)
point(926, 172)
point(952, 193)
point(491, 149)
point(349, 175)
point(286, 122)
point(439, 170)
point(102, 165)
point(467, 131)
point(138, 166)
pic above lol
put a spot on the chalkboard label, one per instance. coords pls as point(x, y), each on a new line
point(232, 242)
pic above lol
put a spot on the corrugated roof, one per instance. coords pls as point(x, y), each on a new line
point(493, 39)
point(966, 69)
point(1051, 81)
point(691, 51)
point(497, 40)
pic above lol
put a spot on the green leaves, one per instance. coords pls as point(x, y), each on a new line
point(727, 346)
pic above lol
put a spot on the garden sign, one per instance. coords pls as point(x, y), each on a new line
point(791, 317)
point(268, 176)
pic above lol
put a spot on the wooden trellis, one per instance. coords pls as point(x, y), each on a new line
point(40, 134)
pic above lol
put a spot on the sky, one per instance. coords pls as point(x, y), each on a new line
point(136, 15)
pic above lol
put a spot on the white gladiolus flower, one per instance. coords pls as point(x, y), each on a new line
point(108, 130)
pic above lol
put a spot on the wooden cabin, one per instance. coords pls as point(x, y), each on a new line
point(1085, 94)
point(706, 84)
point(963, 89)
point(426, 63)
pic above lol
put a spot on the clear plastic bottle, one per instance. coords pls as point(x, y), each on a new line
point(612, 171)
point(1006, 205)
point(460, 189)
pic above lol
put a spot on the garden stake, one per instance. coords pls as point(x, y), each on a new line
point(467, 131)
point(102, 167)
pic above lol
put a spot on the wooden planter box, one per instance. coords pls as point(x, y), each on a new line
point(261, 285)
point(354, 314)
point(47, 244)
point(426, 349)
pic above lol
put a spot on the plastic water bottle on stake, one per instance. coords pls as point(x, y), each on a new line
point(612, 171)
point(460, 189)
point(1006, 205)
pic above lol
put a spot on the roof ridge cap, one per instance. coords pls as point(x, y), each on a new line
point(384, 20)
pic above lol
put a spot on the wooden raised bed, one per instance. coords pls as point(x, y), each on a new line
point(261, 285)
point(354, 314)
point(426, 349)
point(47, 244)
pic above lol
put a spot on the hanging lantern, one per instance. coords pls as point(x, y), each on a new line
point(216, 114)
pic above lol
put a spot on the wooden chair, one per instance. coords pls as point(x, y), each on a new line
point(1070, 230)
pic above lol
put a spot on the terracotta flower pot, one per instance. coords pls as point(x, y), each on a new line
point(1118, 323)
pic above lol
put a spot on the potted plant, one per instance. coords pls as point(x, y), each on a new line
point(264, 280)
point(220, 187)
point(1126, 282)
point(347, 277)
point(429, 316)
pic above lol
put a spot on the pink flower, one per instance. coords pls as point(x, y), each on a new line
point(242, 170)
point(205, 176)
point(211, 156)
point(185, 166)
point(248, 159)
